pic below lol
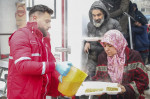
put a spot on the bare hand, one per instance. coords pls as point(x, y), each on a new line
point(87, 47)
point(122, 89)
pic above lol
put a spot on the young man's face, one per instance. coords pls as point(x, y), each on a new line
point(43, 22)
point(98, 16)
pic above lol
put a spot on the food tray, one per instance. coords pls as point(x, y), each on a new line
point(97, 85)
point(92, 38)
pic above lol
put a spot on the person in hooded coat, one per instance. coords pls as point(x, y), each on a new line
point(140, 37)
point(100, 23)
point(138, 13)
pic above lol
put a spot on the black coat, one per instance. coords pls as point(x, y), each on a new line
point(116, 9)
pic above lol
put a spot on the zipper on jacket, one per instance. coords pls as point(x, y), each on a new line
point(45, 49)
point(47, 61)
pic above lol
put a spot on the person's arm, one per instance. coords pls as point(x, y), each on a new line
point(94, 45)
point(129, 93)
point(123, 7)
point(90, 33)
point(140, 14)
point(101, 69)
point(140, 80)
point(138, 30)
point(91, 30)
point(87, 43)
point(117, 25)
point(21, 51)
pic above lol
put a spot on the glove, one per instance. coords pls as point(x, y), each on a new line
point(60, 78)
point(63, 67)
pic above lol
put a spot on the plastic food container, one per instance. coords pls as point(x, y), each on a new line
point(71, 83)
point(97, 86)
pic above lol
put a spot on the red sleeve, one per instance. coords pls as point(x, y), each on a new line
point(140, 79)
point(52, 89)
point(20, 48)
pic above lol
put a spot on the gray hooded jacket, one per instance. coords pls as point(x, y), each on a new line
point(95, 47)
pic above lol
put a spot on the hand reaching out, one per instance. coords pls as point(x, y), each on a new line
point(63, 68)
point(87, 47)
point(123, 90)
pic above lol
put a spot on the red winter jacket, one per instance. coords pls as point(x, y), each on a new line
point(31, 72)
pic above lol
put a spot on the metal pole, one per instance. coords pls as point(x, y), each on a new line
point(130, 33)
point(66, 28)
point(90, 96)
point(27, 12)
point(29, 4)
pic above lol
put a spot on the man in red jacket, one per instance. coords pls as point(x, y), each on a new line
point(33, 72)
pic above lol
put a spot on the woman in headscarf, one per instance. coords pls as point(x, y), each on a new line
point(119, 64)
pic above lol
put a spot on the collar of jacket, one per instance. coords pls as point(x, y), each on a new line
point(34, 28)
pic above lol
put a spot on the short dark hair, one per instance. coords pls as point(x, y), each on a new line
point(40, 8)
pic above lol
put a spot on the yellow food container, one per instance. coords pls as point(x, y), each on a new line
point(71, 83)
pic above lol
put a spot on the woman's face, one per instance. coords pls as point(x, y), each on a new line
point(109, 49)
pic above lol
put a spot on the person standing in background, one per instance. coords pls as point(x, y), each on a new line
point(138, 13)
point(116, 8)
point(33, 72)
point(100, 23)
point(140, 37)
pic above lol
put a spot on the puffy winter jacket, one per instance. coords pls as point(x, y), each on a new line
point(31, 72)
point(95, 47)
point(140, 37)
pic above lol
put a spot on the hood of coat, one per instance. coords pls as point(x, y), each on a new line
point(100, 5)
point(135, 5)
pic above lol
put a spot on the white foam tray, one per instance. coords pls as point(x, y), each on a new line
point(96, 84)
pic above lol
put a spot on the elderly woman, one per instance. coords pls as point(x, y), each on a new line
point(119, 64)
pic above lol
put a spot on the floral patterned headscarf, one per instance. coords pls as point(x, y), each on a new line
point(115, 63)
